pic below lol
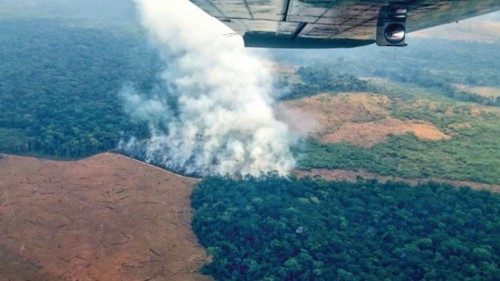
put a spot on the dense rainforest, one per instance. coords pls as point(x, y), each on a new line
point(281, 229)
point(59, 98)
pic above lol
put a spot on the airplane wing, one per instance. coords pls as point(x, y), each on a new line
point(337, 23)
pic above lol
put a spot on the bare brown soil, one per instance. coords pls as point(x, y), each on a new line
point(475, 111)
point(103, 218)
point(357, 118)
point(347, 175)
point(478, 110)
point(328, 108)
point(326, 112)
point(488, 92)
point(368, 134)
point(461, 125)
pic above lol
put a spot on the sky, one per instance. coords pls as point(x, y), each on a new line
point(484, 28)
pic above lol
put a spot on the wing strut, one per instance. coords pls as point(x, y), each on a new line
point(299, 29)
point(285, 9)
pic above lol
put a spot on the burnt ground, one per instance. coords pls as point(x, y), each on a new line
point(103, 218)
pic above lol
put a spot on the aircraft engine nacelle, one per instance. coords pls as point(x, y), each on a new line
point(391, 27)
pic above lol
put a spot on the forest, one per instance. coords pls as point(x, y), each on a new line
point(304, 229)
point(319, 79)
point(322, 79)
point(431, 64)
point(59, 98)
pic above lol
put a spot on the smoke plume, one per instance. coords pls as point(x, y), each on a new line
point(214, 115)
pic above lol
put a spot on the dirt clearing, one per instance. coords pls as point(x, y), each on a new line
point(103, 218)
point(488, 92)
point(367, 134)
point(347, 175)
point(357, 118)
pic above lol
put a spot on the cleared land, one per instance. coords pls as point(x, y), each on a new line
point(488, 92)
point(103, 218)
point(347, 175)
point(368, 134)
point(356, 118)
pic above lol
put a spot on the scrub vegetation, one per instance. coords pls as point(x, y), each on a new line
point(471, 150)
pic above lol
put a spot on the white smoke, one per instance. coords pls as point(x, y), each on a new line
point(222, 121)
